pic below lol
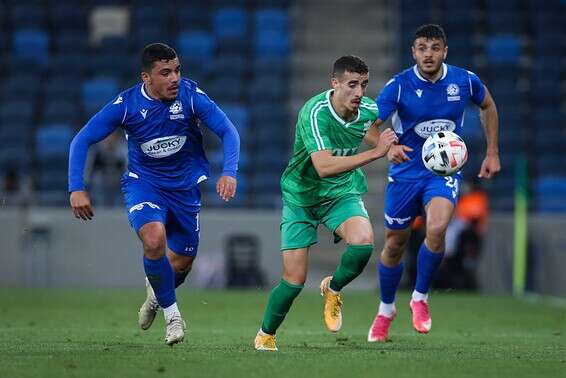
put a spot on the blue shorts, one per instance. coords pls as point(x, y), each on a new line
point(405, 200)
point(177, 210)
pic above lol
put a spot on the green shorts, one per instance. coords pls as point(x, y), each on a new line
point(299, 224)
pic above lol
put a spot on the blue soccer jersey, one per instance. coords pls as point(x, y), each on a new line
point(164, 137)
point(420, 108)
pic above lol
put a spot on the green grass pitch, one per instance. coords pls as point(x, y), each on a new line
point(93, 333)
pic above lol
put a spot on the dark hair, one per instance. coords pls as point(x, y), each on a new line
point(155, 52)
point(349, 63)
point(431, 31)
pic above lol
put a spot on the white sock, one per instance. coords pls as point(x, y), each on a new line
point(171, 311)
point(387, 309)
point(420, 296)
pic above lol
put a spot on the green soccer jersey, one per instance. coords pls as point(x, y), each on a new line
point(319, 128)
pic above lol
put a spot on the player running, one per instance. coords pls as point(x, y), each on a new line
point(323, 184)
point(424, 99)
point(161, 118)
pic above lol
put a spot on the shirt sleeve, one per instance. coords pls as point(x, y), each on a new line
point(313, 130)
point(215, 119)
point(388, 99)
point(97, 128)
point(477, 89)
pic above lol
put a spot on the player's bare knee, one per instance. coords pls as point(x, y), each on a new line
point(295, 278)
point(360, 238)
point(154, 245)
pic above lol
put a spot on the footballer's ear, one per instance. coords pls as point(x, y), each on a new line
point(145, 77)
point(334, 81)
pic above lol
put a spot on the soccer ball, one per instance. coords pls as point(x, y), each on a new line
point(444, 153)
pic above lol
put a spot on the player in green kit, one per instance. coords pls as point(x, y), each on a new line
point(323, 184)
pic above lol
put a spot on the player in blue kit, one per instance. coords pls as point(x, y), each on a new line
point(161, 118)
point(427, 98)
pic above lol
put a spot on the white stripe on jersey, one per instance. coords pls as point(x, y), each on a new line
point(314, 124)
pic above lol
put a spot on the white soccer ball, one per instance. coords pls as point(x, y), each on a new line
point(444, 153)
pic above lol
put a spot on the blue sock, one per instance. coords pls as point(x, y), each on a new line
point(162, 280)
point(389, 281)
point(427, 263)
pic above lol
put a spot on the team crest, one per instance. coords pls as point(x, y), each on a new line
point(176, 110)
point(453, 92)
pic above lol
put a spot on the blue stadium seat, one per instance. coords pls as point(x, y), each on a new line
point(230, 22)
point(549, 194)
point(271, 44)
point(503, 49)
point(98, 92)
point(53, 141)
point(196, 45)
point(271, 20)
point(31, 43)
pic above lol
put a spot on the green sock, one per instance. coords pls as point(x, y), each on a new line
point(280, 301)
point(353, 262)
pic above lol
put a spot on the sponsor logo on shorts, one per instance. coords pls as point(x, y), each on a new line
point(400, 221)
point(140, 206)
point(163, 147)
point(427, 128)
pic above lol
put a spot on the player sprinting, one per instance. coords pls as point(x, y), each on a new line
point(424, 99)
point(166, 162)
point(323, 185)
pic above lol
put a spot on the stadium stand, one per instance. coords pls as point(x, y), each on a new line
point(62, 64)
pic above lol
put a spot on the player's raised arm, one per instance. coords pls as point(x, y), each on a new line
point(97, 128)
point(490, 122)
point(328, 165)
point(215, 119)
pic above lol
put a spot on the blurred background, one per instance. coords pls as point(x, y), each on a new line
point(260, 60)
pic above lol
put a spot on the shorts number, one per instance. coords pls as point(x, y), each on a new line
point(452, 183)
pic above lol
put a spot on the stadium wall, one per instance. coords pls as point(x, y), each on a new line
point(48, 247)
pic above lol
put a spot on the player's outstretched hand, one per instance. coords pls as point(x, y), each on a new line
point(80, 203)
point(397, 155)
point(490, 166)
point(226, 187)
point(386, 139)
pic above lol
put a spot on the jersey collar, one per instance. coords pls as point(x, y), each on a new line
point(144, 93)
point(335, 115)
point(418, 74)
